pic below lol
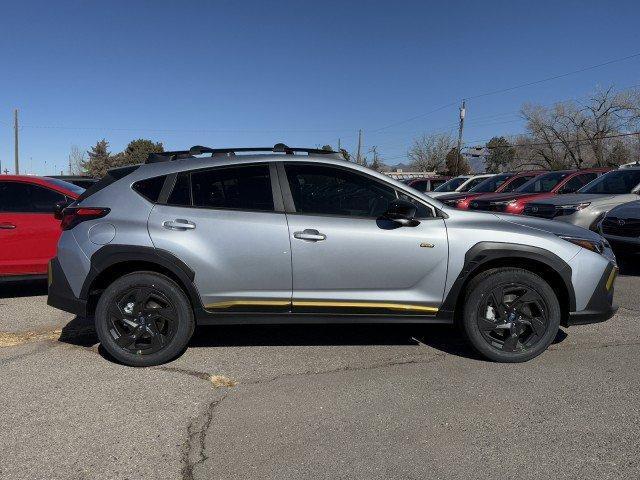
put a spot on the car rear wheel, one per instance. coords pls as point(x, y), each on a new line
point(510, 315)
point(144, 319)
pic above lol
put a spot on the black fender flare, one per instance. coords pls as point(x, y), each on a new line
point(110, 255)
point(484, 252)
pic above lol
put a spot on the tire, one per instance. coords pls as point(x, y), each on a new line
point(526, 318)
point(144, 319)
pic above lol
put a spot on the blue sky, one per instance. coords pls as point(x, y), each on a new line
point(233, 73)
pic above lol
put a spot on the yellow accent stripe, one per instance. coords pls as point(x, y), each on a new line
point(389, 306)
point(258, 303)
point(319, 303)
point(611, 279)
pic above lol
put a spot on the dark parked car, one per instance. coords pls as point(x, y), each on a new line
point(621, 227)
point(79, 180)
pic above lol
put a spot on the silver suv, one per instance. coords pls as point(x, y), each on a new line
point(289, 235)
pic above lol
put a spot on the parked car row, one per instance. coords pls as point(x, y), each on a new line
point(581, 197)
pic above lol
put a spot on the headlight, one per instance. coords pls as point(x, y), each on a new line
point(505, 202)
point(597, 246)
point(574, 206)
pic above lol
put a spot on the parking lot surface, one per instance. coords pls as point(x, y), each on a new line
point(317, 401)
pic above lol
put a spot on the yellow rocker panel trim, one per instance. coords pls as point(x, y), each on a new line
point(388, 306)
point(403, 307)
point(254, 303)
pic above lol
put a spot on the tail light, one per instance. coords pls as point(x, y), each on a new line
point(72, 216)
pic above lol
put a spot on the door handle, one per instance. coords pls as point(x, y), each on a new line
point(7, 226)
point(178, 224)
point(310, 234)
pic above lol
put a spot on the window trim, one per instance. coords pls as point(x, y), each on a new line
point(31, 184)
point(290, 208)
point(172, 179)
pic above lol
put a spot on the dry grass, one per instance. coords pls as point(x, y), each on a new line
point(12, 339)
point(222, 381)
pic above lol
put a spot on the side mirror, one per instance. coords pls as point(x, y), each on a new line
point(403, 213)
point(58, 208)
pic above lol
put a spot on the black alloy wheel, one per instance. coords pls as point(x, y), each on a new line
point(142, 320)
point(510, 314)
point(513, 317)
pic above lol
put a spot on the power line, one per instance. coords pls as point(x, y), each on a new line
point(515, 87)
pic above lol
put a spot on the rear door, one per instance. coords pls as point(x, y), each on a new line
point(346, 259)
point(228, 224)
point(29, 232)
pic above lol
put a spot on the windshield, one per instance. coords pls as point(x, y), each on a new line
point(66, 185)
point(615, 182)
point(451, 185)
point(491, 184)
point(543, 183)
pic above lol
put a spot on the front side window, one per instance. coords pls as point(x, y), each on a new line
point(577, 182)
point(615, 182)
point(323, 190)
point(239, 188)
point(543, 183)
point(27, 198)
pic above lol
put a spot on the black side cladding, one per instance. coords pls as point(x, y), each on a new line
point(111, 176)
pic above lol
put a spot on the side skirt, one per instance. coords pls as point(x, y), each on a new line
point(206, 318)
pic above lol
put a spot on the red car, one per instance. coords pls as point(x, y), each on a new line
point(542, 186)
point(29, 231)
point(502, 182)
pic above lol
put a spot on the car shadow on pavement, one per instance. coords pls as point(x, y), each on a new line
point(23, 288)
point(81, 332)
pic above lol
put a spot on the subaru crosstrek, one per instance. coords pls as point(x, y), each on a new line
point(302, 236)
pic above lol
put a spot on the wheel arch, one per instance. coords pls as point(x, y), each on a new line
point(485, 256)
point(114, 261)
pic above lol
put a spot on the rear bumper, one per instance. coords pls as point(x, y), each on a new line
point(600, 306)
point(60, 294)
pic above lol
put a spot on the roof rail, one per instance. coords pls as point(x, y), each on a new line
point(199, 150)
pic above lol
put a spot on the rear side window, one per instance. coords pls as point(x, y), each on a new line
point(239, 188)
point(150, 188)
point(20, 197)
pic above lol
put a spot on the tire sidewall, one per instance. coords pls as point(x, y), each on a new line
point(185, 321)
point(478, 295)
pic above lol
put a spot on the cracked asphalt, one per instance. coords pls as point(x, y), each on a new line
point(316, 402)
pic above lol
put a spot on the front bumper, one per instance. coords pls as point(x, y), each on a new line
point(600, 306)
point(60, 294)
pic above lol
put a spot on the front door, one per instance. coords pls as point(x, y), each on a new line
point(222, 222)
point(346, 259)
point(29, 232)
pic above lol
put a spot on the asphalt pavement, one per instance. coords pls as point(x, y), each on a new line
point(316, 402)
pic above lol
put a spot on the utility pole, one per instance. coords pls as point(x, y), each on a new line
point(15, 132)
point(359, 146)
point(339, 145)
point(460, 128)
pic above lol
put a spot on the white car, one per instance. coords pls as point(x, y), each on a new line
point(469, 182)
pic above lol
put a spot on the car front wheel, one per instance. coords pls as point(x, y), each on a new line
point(144, 319)
point(510, 314)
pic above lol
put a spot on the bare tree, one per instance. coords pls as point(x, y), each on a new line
point(572, 135)
point(77, 158)
point(429, 152)
point(376, 161)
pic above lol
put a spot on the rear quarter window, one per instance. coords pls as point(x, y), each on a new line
point(150, 188)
